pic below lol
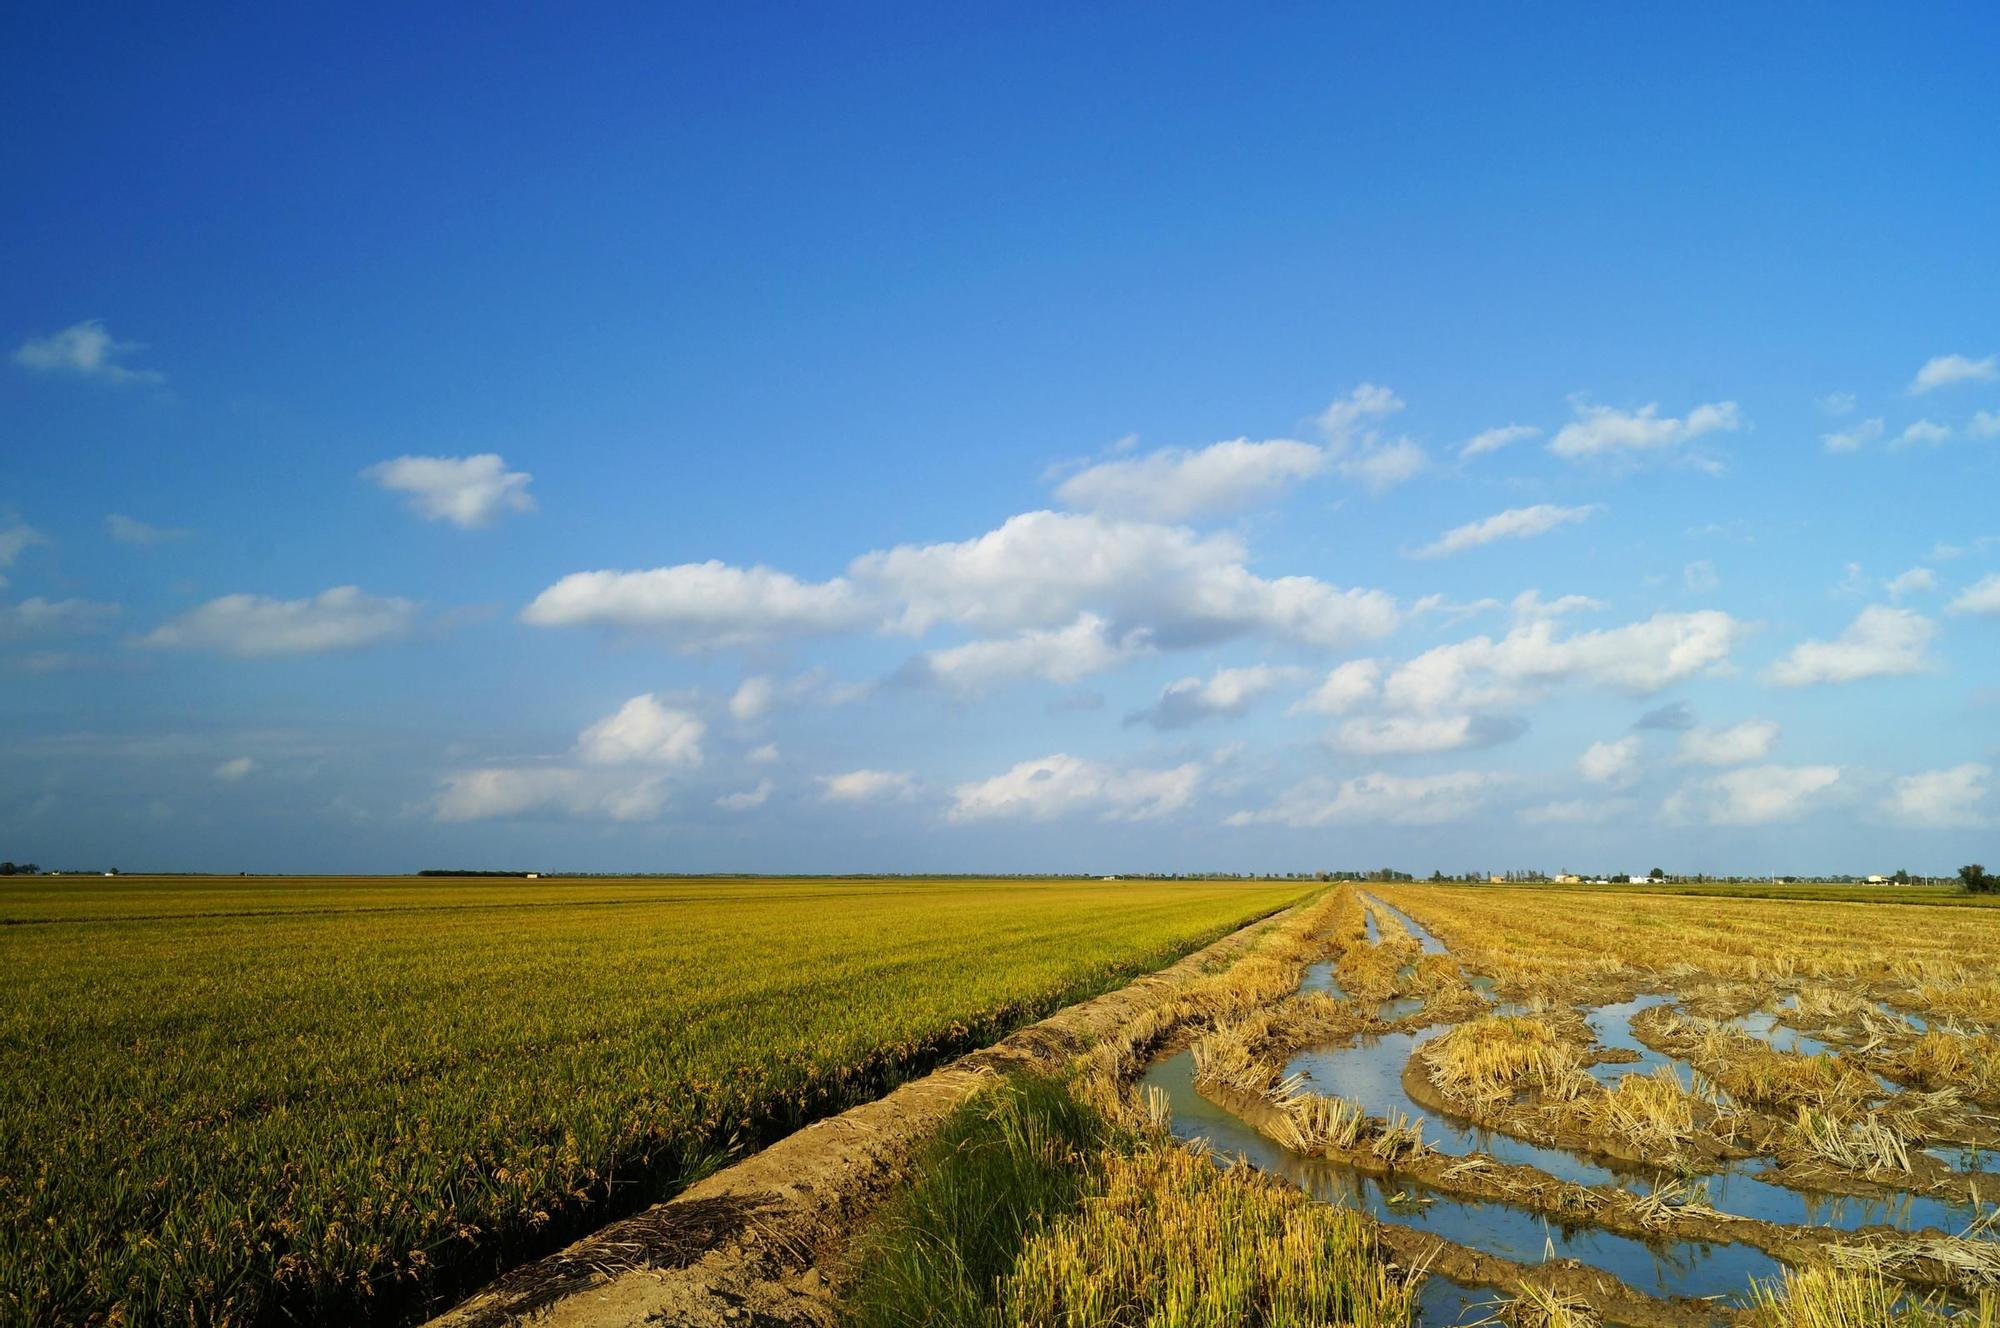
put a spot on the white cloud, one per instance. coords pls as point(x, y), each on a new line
point(1700, 576)
point(1672, 718)
point(1227, 692)
point(484, 794)
point(1836, 403)
point(1754, 795)
point(1639, 657)
point(1615, 763)
point(747, 799)
point(1735, 745)
point(1063, 785)
point(643, 732)
point(866, 786)
point(1607, 431)
point(1175, 484)
point(1343, 688)
point(231, 771)
point(1492, 440)
point(1529, 605)
point(14, 539)
point(753, 699)
point(1379, 798)
point(1926, 433)
point(1418, 735)
point(1947, 370)
point(467, 491)
point(1580, 811)
point(37, 617)
point(128, 531)
point(1061, 655)
point(1918, 580)
point(1985, 424)
point(85, 350)
point(697, 606)
point(1853, 439)
point(1380, 466)
point(1360, 453)
point(1981, 597)
point(1941, 799)
point(1515, 523)
point(342, 618)
point(1363, 406)
point(1043, 569)
point(1880, 642)
point(764, 755)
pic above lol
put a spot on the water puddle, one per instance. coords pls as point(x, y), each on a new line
point(1684, 1268)
point(1916, 1021)
point(1319, 977)
point(1611, 1025)
point(1429, 943)
point(1372, 932)
point(1764, 1026)
point(1966, 1158)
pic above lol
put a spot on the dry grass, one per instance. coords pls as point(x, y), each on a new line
point(1541, 1307)
point(1967, 1062)
point(1494, 1058)
point(1857, 1298)
point(1174, 1242)
point(1648, 1111)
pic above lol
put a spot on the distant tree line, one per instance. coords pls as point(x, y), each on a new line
point(19, 869)
point(464, 871)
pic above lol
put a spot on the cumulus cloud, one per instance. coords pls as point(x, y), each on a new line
point(866, 786)
point(1379, 799)
point(1380, 466)
point(748, 798)
point(1514, 523)
point(1364, 406)
point(1754, 795)
point(1948, 370)
point(1918, 580)
point(1176, 484)
point(1615, 763)
point(1492, 440)
point(1226, 693)
point(1604, 431)
point(37, 617)
point(15, 538)
point(698, 606)
point(1852, 439)
point(1981, 597)
point(643, 731)
point(1941, 799)
point(1985, 424)
point(84, 350)
point(1043, 569)
point(1529, 605)
point(1060, 655)
point(1639, 657)
point(1881, 642)
point(1064, 785)
point(1924, 433)
point(621, 768)
point(467, 491)
point(128, 531)
point(753, 699)
point(1418, 735)
point(343, 618)
point(229, 772)
point(764, 755)
point(1736, 745)
point(1344, 687)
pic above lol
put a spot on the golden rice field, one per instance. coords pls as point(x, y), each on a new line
point(232, 1102)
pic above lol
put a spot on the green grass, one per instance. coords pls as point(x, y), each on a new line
point(231, 1103)
point(1002, 1167)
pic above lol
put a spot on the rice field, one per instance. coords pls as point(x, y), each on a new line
point(236, 1102)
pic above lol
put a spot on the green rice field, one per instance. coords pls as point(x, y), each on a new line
point(244, 1101)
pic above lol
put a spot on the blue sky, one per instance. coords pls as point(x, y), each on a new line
point(855, 439)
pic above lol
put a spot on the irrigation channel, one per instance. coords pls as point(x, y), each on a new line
point(1372, 1071)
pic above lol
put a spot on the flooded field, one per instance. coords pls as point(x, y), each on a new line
point(1653, 1141)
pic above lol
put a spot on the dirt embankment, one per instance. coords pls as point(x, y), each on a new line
point(744, 1246)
